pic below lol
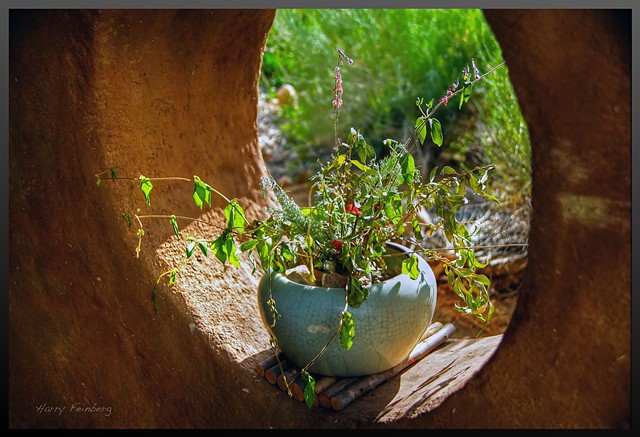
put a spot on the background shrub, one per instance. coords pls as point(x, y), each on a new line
point(400, 55)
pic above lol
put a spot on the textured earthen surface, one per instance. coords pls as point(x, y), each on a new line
point(174, 93)
point(565, 361)
point(158, 93)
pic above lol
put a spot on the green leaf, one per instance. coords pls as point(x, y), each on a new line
point(308, 242)
point(338, 161)
point(218, 248)
point(113, 174)
point(415, 224)
point(172, 277)
point(399, 226)
point(492, 198)
point(347, 331)
point(356, 293)
point(235, 216)
point(464, 95)
point(436, 131)
point(483, 280)
point(410, 266)
point(422, 130)
point(360, 165)
point(203, 247)
point(362, 153)
point(450, 275)
point(98, 182)
point(473, 182)
point(309, 388)
point(408, 166)
point(432, 176)
point(286, 252)
point(390, 143)
point(201, 192)
point(446, 170)
point(456, 200)
point(365, 151)
point(190, 247)
point(263, 251)
point(174, 222)
point(146, 186)
point(492, 308)
point(248, 245)
point(393, 207)
point(230, 247)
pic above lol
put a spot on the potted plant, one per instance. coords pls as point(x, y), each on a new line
point(331, 268)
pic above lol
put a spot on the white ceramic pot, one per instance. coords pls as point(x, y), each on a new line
point(388, 324)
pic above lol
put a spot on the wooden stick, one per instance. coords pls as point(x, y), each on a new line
point(432, 329)
point(322, 383)
point(290, 375)
point(368, 383)
point(324, 397)
point(297, 390)
point(272, 372)
point(423, 348)
point(265, 364)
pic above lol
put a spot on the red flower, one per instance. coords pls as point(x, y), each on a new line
point(350, 207)
point(337, 244)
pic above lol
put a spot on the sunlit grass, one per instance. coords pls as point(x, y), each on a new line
point(400, 55)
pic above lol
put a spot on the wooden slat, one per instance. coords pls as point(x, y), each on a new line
point(265, 364)
point(367, 383)
point(272, 373)
point(289, 378)
point(325, 396)
point(337, 392)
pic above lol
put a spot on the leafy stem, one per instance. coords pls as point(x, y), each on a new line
point(430, 111)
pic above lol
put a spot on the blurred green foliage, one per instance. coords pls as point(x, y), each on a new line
point(400, 55)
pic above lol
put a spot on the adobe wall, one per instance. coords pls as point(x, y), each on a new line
point(565, 361)
point(175, 93)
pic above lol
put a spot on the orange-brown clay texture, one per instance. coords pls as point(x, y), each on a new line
point(174, 93)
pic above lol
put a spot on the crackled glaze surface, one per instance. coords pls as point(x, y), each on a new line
point(388, 324)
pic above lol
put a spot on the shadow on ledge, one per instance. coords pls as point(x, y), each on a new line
point(419, 389)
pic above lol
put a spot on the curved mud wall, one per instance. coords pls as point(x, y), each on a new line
point(565, 361)
point(158, 93)
point(174, 93)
